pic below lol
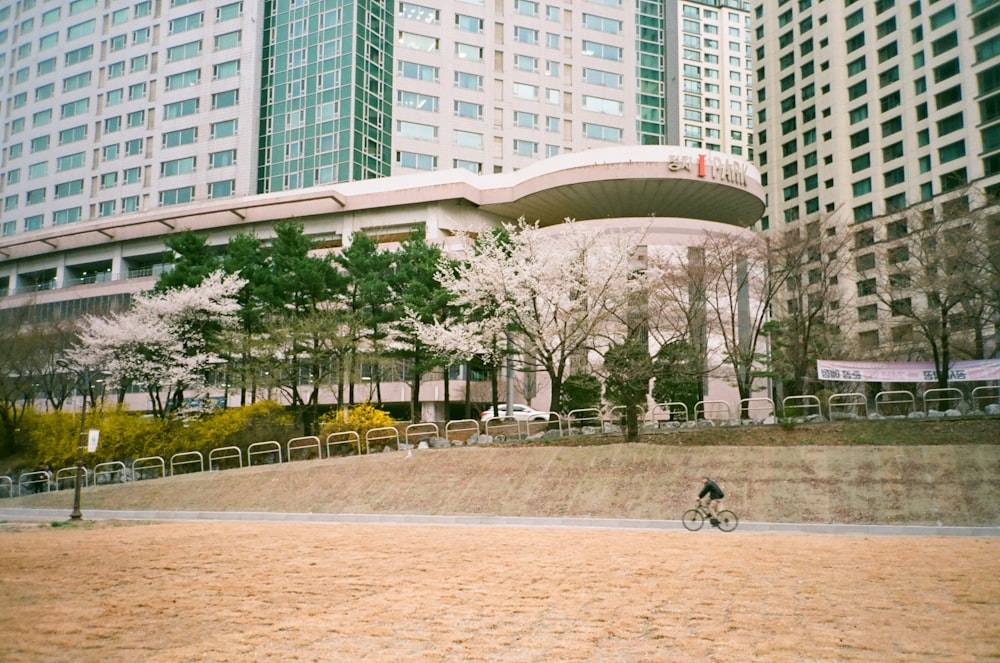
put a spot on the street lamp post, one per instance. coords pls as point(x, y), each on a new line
point(75, 514)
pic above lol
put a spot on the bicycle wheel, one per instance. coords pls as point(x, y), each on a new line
point(693, 520)
point(728, 521)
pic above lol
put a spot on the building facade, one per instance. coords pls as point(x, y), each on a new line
point(115, 108)
point(875, 122)
point(672, 195)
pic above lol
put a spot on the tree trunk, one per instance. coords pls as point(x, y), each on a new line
point(415, 415)
point(632, 423)
point(468, 389)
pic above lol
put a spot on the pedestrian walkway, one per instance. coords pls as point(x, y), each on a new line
point(52, 515)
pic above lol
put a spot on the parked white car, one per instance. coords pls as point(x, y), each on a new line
point(521, 413)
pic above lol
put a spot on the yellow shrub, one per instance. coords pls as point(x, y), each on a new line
point(52, 436)
point(241, 426)
point(126, 436)
point(129, 435)
point(360, 418)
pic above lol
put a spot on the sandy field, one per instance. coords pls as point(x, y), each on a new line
point(203, 591)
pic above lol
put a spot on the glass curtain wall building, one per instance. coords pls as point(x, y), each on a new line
point(326, 84)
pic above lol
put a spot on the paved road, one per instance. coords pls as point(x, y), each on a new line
point(47, 515)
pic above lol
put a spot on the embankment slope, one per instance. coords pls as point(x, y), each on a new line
point(952, 484)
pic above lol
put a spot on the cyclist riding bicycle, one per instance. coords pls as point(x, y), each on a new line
point(715, 495)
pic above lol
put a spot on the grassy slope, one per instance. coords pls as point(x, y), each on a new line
point(867, 472)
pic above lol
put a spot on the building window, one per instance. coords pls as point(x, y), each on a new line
point(70, 162)
point(180, 137)
point(64, 216)
point(603, 51)
point(868, 313)
point(416, 161)
point(894, 177)
point(180, 109)
point(422, 102)
point(898, 255)
point(221, 159)
point(221, 189)
point(225, 99)
point(465, 80)
point(183, 166)
point(866, 287)
point(469, 110)
point(951, 152)
point(228, 12)
point(601, 132)
point(185, 23)
point(229, 40)
point(525, 148)
point(177, 196)
point(184, 51)
point(469, 52)
point(224, 129)
point(183, 79)
point(469, 139)
point(417, 131)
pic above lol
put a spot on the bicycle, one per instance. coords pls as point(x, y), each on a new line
point(694, 519)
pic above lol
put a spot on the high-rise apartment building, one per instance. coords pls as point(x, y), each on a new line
point(114, 108)
point(874, 106)
point(873, 120)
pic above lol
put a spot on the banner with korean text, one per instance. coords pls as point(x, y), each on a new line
point(978, 370)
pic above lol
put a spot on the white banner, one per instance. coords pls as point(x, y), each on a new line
point(979, 370)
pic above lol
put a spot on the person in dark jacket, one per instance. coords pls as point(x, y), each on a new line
point(715, 495)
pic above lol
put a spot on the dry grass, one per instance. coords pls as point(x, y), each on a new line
point(292, 592)
point(947, 484)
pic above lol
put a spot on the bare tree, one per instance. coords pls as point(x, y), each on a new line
point(740, 287)
point(675, 280)
point(940, 283)
point(22, 363)
point(808, 319)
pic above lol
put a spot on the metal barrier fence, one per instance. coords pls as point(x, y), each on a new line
point(384, 433)
point(702, 409)
point(985, 396)
point(110, 472)
point(670, 411)
point(579, 419)
point(187, 459)
point(895, 403)
point(947, 398)
point(149, 465)
point(217, 458)
point(69, 474)
point(844, 405)
point(339, 439)
point(302, 448)
point(461, 430)
point(38, 481)
point(757, 408)
point(419, 432)
point(801, 406)
point(270, 449)
point(847, 406)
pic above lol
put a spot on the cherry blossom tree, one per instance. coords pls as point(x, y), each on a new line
point(165, 342)
point(556, 290)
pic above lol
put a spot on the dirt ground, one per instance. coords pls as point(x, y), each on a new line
point(203, 591)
